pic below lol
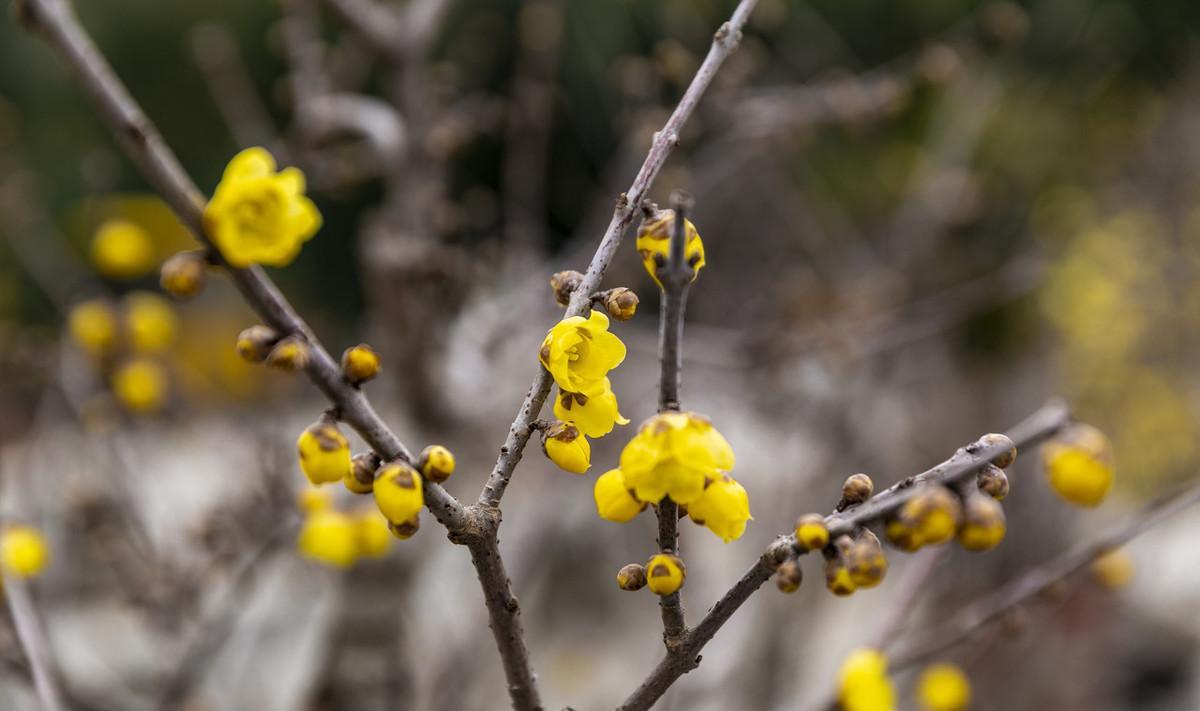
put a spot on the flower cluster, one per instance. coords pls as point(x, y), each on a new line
point(339, 539)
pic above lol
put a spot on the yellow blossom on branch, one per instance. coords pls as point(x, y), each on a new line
point(863, 684)
point(566, 446)
point(614, 501)
point(724, 508)
point(675, 454)
point(580, 351)
point(258, 215)
point(595, 415)
point(654, 244)
point(329, 537)
point(399, 493)
point(665, 573)
point(324, 453)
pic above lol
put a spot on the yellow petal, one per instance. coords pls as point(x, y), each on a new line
point(255, 162)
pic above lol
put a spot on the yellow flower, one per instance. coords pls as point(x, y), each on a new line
point(23, 551)
point(399, 493)
point(863, 684)
point(93, 327)
point(1079, 464)
point(360, 363)
point(257, 215)
point(437, 463)
point(654, 244)
point(150, 322)
point(614, 502)
point(811, 532)
point(724, 508)
point(140, 385)
point(594, 415)
point(329, 537)
point(324, 453)
point(374, 538)
point(674, 453)
point(567, 447)
point(122, 250)
point(579, 352)
point(665, 573)
point(1113, 569)
point(943, 687)
point(983, 523)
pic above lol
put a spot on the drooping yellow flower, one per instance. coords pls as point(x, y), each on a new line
point(1113, 569)
point(614, 502)
point(723, 508)
point(374, 538)
point(329, 537)
point(983, 524)
point(674, 453)
point(399, 493)
point(579, 352)
point(665, 573)
point(122, 250)
point(258, 215)
point(150, 322)
point(1079, 464)
point(595, 415)
point(93, 327)
point(811, 532)
point(324, 453)
point(943, 687)
point(654, 244)
point(566, 446)
point(140, 384)
point(863, 684)
point(23, 551)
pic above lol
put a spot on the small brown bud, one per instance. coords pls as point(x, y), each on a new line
point(857, 489)
point(362, 473)
point(993, 482)
point(183, 275)
point(254, 343)
point(360, 363)
point(621, 303)
point(289, 355)
point(563, 284)
point(1005, 460)
point(788, 576)
point(632, 577)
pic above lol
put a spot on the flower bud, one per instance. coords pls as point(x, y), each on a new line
point(993, 482)
point(1079, 464)
point(943, 687)
point(372, 530)
point(665, 573)
point(903, 535)
point(329, 537)
point(857, 489)
point(141, 385)
point(564, 445)
point(614, 500)
point(933, 514)
point(1113, 569)
point(93, 327)
point(983, 522)
point(360, 363)
point(23, 552)
point(398, 492)
point(811, 532)
point(254, 343)
point(289, 355)
point(621, 303)
point(788, 576)
point(183, 275)
point(122, 250)
point(865, 560)
point(361, 477)
point(632, 577)
point(405, 530)
point(436, 463)
point(563, 284)
point(324, 452)
point(1005, 460)
point(837, 575)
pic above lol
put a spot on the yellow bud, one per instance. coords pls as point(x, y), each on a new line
point(398, 492)
point(811, 532)
point(1113, 569)
point(857, 489)
point(324, 453)
point(654, 243)
point(140, 385)
point(311, 499)
point(360, 363)
point(150, 322)
point(1079, 464)
point(993, 482)
point(983, 522)
point(838, 578)
point(621, 303)
point(788, 576)
point(566, 447)
point(863, 684)
point(329, 537)
point(933, 513)
point(183, 275)
point(254, 343)
point(866, 561)
point(632, 577)
point(563, 284)
point(614, 501)
point(289, 355)
point(374, 537)
point(93, 327)
point(943, 687)
point(23, 551)
point(665, 573)
point(436, 463)
point(903, 535)
point(122, 250)
point(361, 477)
point(406, 529)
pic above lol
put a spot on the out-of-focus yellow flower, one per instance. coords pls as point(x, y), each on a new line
point(594, 415)
point(122, 250)
point(1079, 464)
point(374, 538)
point(943, 687)
point(654, 244)
point(360, 363)
point(614, 502)
point(93, 327)
point(399, 493)
point(811, 532)
point(724, 508)
point(258, 215)
point(863, 684)
point(566, 446)
point(150, 322)
point(23, 551)
point(310, 499)
point(674, 453)
point(665, 573)
point(141, 385)
point(983, 524)
point(579, 352)
point(329, 537)
point(1113, 569)
point(324, 453)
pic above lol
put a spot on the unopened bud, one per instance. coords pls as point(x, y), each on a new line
point(436, 463)
point(564, 284)
point(621, 303)
point(993, 482)
point(405, 530)
point(183, 275)
point(289, 355)
point(1005, 460)
point(255, 343)
point(665, 573)
point(811, 532)
point(632, 577)
point(866, 560)
point(857, 489)
point(361, 479)
point(788, 576)
point(360, 363)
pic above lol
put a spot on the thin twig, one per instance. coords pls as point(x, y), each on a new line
point(725, 41)
point(32, 637)
point(965, 462)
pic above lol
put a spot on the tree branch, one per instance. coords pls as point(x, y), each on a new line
point(32, 637)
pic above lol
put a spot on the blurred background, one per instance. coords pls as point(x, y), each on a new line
point(922, 220)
